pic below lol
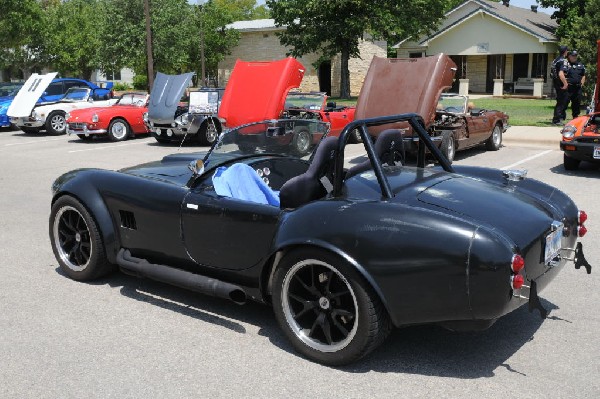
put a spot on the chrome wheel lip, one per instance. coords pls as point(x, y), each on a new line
point(496, 136)
point(296, 328)
point(451, 148)
point(64, 256)
point(211, 133)
point(118, 130)
point(303, 141)
point(58, 122)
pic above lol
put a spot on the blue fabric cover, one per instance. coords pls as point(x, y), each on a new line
point(242, 182)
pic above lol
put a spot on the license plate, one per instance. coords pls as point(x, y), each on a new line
point(597, 152)
point(553, 245)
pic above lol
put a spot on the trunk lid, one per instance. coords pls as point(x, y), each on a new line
point(29, 94)
point(256, 91)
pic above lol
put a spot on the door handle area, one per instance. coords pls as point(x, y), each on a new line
point(191, 206)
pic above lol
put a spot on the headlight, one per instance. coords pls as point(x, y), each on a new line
point(145, 117)
point(95, 118)
point(568, 131)
point(33, 113)
point(181, 120)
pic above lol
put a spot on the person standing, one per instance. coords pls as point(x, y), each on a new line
point(557, 72)
point(575, 75)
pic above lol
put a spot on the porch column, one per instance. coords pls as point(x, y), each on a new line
point(463, 87)
point(538, 87)
point(498, 87)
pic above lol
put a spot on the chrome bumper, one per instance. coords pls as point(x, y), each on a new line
point(86, 131)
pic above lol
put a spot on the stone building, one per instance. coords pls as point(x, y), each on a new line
point(495, 45)
point(259, 42)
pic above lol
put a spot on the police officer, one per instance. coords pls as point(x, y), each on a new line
point(575, 75)
point(560, 85)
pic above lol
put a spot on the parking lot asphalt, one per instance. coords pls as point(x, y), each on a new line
point(124, 337)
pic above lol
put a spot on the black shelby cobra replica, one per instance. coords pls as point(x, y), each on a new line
point(348, 253)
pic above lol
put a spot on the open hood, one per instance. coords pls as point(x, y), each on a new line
point(256, 91)
point(166, 93)
point(399, 86)
point(29, 94)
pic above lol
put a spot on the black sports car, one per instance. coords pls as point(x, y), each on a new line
point(342, 255)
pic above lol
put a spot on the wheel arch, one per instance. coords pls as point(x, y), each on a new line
point(284, 249)
point(131, 133)
point(93, 203)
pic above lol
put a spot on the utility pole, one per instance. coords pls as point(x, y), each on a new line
point(149, 45)
point(202, 80)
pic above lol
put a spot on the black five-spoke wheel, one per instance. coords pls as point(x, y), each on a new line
point(326, 309)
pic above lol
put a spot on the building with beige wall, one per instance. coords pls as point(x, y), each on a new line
point(492, 41)
point(259, 42)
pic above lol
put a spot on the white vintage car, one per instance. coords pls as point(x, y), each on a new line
point(32, 117)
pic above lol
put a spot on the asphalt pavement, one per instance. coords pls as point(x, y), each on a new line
point(123, 337)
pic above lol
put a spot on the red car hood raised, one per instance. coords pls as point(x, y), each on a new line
point(256, 91)
point(399, 86)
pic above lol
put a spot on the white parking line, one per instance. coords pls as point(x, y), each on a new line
point(108, 146)
point(32, 142)
point(541, 154)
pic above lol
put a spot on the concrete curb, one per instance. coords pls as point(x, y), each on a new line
point(533, 136)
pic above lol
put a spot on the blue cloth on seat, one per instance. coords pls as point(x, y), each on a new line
point(242, 182)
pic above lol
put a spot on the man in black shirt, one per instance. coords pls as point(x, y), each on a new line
point(560, 85)
point(575, 75)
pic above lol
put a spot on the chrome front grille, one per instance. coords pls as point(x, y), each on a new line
point(77, 126)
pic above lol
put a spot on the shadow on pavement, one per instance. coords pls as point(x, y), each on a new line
point(586, 169)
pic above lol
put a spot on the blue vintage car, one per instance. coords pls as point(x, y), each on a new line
point(55, 91)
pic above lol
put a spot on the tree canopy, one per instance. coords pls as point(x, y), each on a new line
point(337, 26)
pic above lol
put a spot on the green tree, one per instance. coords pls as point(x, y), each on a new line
point(241, 10)
point(568, 14)
point(337, 26)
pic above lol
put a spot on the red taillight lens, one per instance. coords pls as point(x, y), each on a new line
point(517, 264)
point(517, 281)
point(582, 217)
point(581, 231)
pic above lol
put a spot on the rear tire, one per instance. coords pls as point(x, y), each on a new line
point(161, 140)
point(29, 130)
point(118, 130)
point(448, 146)
point(570, 163)
point(494, 142)
point(326, 309)
point(76, 241)
point(302, 142)
point(56, 123)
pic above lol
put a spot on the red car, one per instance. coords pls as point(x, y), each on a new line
point(120, 121)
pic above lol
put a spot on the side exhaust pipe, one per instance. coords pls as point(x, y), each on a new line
point(181, 278)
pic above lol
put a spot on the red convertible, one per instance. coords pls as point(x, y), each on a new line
point(119, 121)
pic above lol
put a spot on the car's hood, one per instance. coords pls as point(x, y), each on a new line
point(166, 93)
point(29, 94)
point(400, 86)
point(172, 168)
point(256, 91)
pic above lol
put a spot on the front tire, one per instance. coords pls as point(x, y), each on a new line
point(355, 137)
point(84, 137)
point(494, 142)
point(448, 146)
point(118, 130)
point(209, 132)
point(56, 123)
point(326, 309)
point(302, 141)
point(161, 140)
point(30, 130)
point(76, 241)
point(570, 163)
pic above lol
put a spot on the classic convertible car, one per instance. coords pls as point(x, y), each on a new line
point(120, 121)
point(30, 116)
point(314, 105)
point(581, 136)
point(342, 255)
point(172, 121)
point(452, 124)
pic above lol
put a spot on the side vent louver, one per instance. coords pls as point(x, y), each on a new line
point(128, 220)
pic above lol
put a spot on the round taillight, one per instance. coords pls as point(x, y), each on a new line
point(581, 231)
point(517, 264)
point(582, 217)
point(517, 281)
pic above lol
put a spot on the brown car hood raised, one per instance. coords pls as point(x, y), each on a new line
point(256, 91)
point(399, 86)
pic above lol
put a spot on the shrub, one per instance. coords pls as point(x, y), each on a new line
point(140, 82)
point(121, 86)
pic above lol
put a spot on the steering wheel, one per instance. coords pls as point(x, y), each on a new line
point(453, 109)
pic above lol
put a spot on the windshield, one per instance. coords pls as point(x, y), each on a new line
point(287, 138)
point(304, 101)
point(10, 89)
point(138, 99)
point(205, 102)
point(452, 104)
point(76, 94)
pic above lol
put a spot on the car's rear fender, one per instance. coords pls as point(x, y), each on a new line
point(77, 184)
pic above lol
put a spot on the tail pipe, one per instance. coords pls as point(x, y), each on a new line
point(181, 278)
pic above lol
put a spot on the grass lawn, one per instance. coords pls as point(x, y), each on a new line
point(522, 112)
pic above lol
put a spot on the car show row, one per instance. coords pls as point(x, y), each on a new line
point(273, 213)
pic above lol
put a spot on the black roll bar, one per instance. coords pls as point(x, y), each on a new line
point(417, 124)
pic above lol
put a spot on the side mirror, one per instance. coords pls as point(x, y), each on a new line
point(197, 167)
